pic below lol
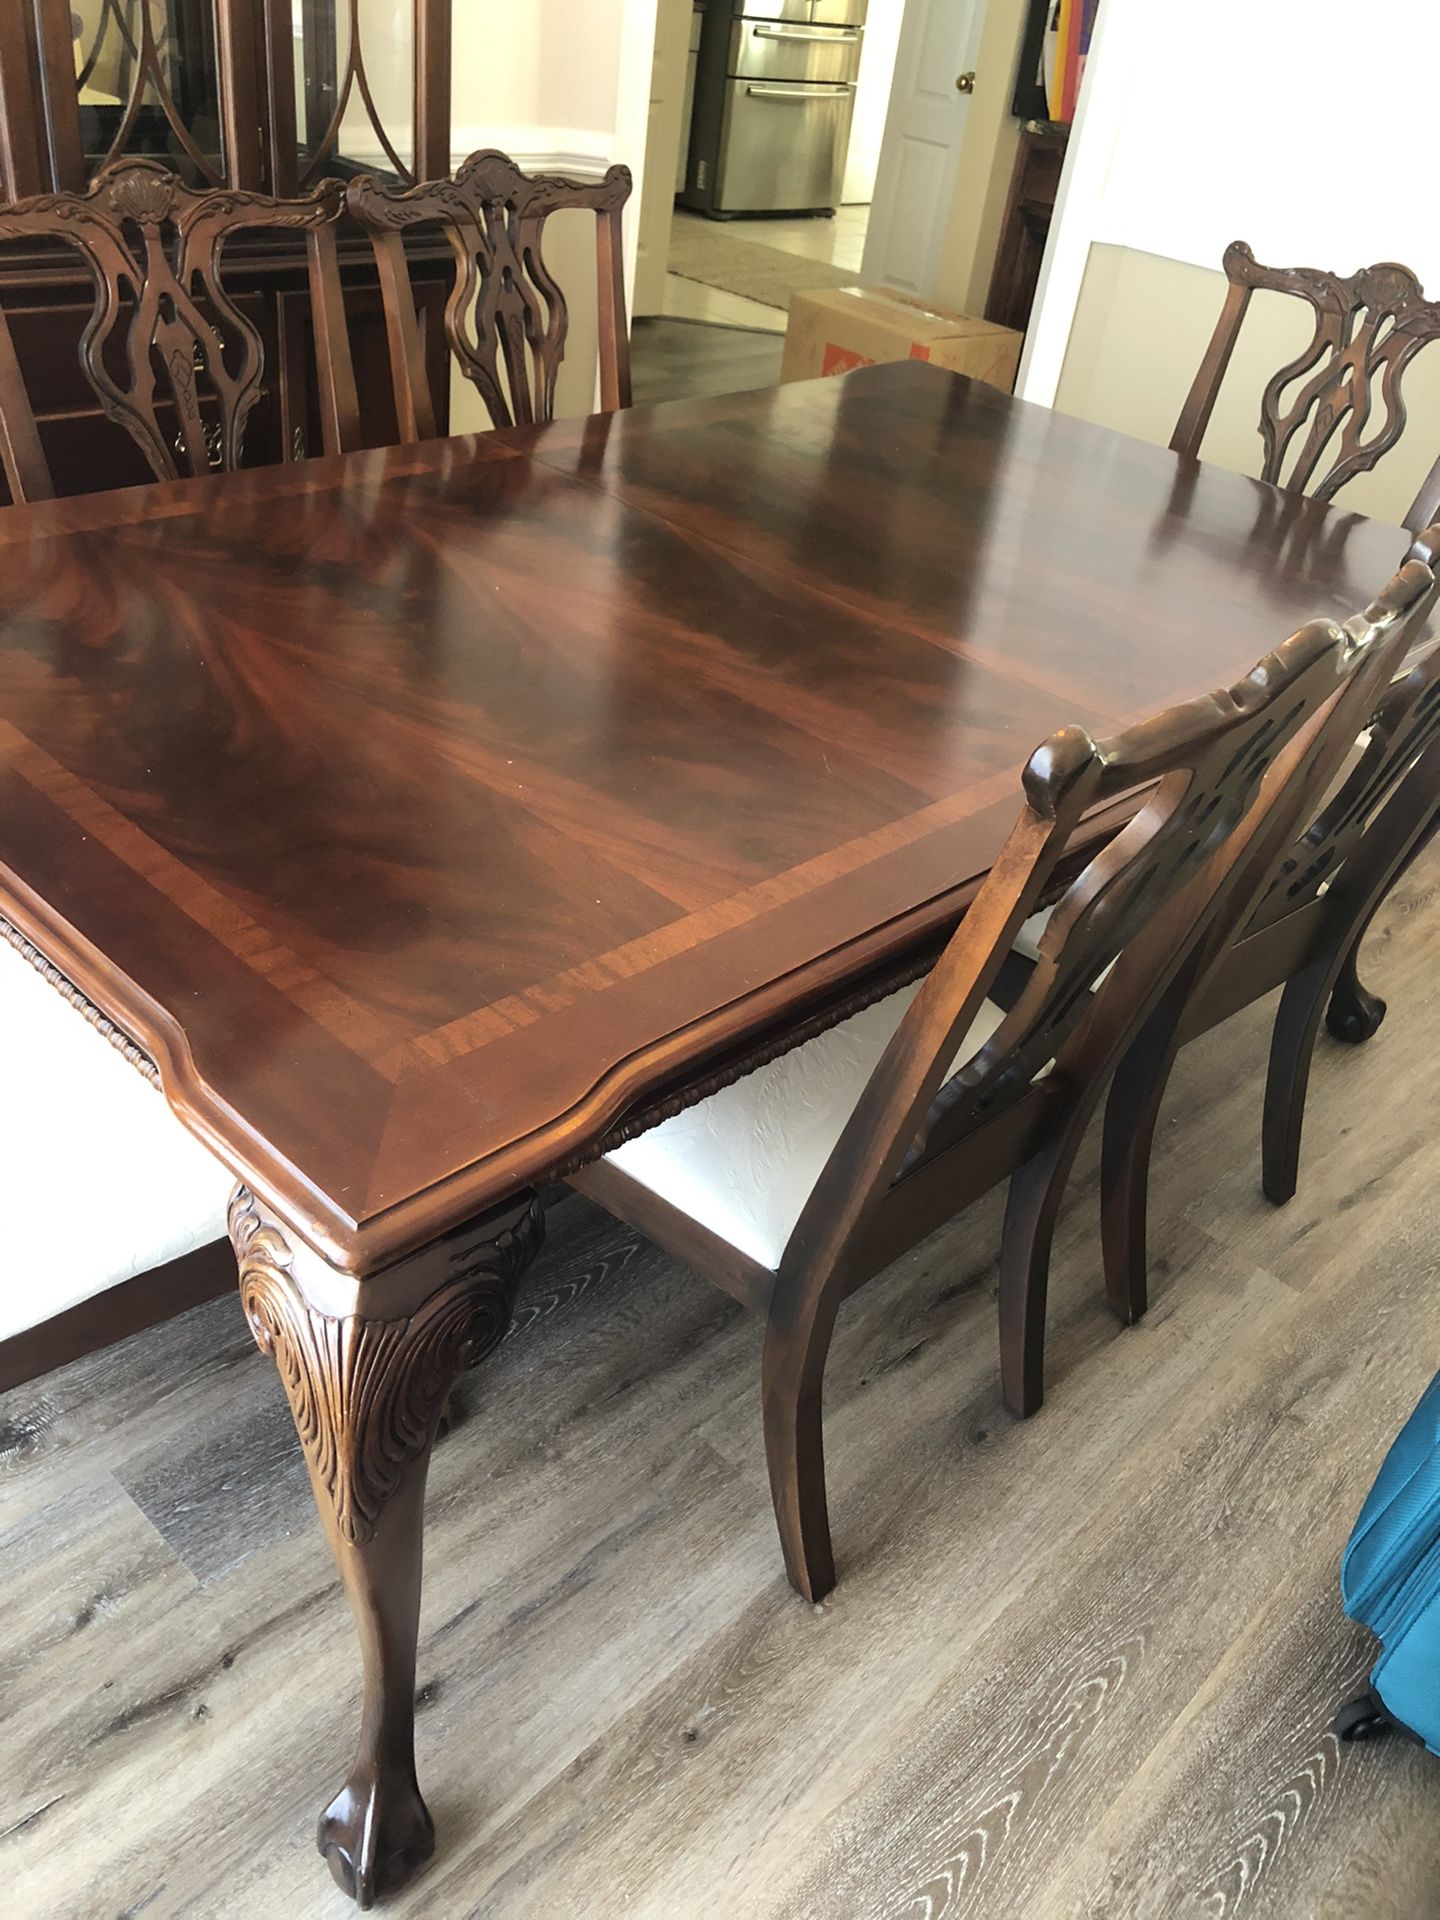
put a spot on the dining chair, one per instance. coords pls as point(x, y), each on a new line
point(797, 1182)
point(506, 319)
point(1303, 935)
point(169, 355)
point(114, 1212)
point(1368, 328)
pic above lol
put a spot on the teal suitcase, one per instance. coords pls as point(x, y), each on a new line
point(1390, 1583)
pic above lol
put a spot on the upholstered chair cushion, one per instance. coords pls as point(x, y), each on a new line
point(100, 1180)
point(744, 1162)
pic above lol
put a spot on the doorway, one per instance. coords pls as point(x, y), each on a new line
point(776, 147)
point(896, 209)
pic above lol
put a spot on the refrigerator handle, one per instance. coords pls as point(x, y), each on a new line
point(829, 35)
point(817, 90)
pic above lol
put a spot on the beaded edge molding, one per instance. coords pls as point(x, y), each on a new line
point(127, 1048)
point(629, 1128)
point(740, 1066)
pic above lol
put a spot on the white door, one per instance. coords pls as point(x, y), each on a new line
point(920, 153)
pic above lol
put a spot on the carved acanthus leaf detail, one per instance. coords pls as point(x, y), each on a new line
point(366, 1394)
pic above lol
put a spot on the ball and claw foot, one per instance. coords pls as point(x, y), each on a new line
point(1354, 1016)
point(374, 1835)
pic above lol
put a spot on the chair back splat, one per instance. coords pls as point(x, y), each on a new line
point(1404, 725)
point(1177, 877)
point(170, 356)
point(1345, 382)
point(1303, 933)
point(506, 319)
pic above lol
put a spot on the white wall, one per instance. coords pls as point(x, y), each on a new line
point(872, 98)
point(540, 79)
point(1297, 128)
point(563, 86)
point(1307, 131)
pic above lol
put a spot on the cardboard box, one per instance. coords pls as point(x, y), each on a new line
point(837, 328)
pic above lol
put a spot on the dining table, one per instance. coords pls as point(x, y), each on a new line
point(432, 818)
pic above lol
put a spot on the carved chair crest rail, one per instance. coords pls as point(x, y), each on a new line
point(171, 357)
point(1340, 398)
point(507, 319)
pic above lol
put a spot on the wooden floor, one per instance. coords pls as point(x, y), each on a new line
point(708, 341)
point(686, 359)
point(840, 241)
point(1078, 1667)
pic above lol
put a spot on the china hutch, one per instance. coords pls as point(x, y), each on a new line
point(268, 94)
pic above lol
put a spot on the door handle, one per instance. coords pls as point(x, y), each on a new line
point(965, 83)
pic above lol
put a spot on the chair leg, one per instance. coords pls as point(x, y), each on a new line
point(1131, 1115)
point(1390, 846)
point(793, 1382)
point(1354, 1013)
point(1031, 1210)
point(1292, 1047)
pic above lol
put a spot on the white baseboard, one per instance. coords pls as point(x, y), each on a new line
point(569, 150)
point(539, 149)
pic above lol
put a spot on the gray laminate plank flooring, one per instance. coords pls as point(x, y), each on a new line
point(1078, 1667)
point(689, 359)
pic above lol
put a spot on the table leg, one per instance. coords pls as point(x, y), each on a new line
point(367, 1365)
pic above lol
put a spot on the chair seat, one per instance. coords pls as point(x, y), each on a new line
point(101, 1181)
point(744, 1162)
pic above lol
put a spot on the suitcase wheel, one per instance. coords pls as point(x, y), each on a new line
point(1361, 1719)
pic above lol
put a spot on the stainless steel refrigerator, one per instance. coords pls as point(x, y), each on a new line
point(774, 92)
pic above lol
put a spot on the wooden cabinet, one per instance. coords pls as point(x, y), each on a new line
point(271, 94)
point(1026, 227)
point(243, 93)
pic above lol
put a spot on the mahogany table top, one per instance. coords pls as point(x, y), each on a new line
point(421, 811)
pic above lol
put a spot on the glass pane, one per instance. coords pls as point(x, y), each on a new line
point(338, 45)
point(322, 57)
point(147, 81)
